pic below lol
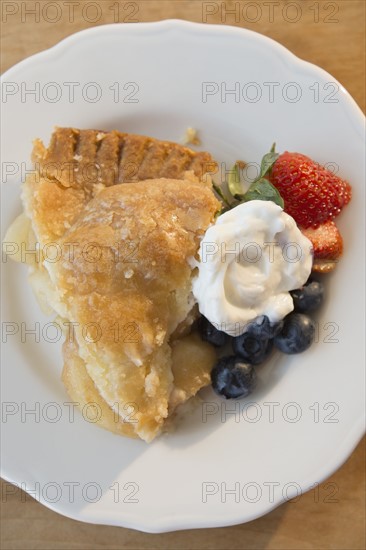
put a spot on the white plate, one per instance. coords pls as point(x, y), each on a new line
point(183, 480)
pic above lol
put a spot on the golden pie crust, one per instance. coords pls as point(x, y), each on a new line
point(127, 234)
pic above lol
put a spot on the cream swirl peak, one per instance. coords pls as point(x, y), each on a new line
point(249, 261)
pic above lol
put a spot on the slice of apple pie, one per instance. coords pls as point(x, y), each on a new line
point(119, 219)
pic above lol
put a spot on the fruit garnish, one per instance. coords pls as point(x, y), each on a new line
point(233, 182)
point(263, 190)
point(232, 378)
point(225, 200)
point(327, 245)
point(308, 297)
point(297, 334)
point(307, 191)
point(260, 189)
point(255, 344)
point(211, 334)
point(313, 195)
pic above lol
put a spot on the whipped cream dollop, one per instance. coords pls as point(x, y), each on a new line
point(249, 261)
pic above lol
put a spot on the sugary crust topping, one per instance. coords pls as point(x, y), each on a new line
point(83, 158)
point(78, 164)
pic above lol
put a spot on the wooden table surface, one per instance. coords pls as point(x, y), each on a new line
point(329, 34)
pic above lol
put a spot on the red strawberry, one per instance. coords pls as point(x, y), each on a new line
point(327, 244)
point(312, 194)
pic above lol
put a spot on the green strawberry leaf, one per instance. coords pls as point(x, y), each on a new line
point(233, 182)
point(218, 190)
point(267, 162)
point(263, 190)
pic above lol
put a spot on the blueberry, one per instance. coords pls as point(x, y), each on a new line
point(276, 328)
point(308, 297)
point(260, 327)
point(232, 378)
point(251, 348)
point(256, 343)
point(297, 334)
point(211, 334)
